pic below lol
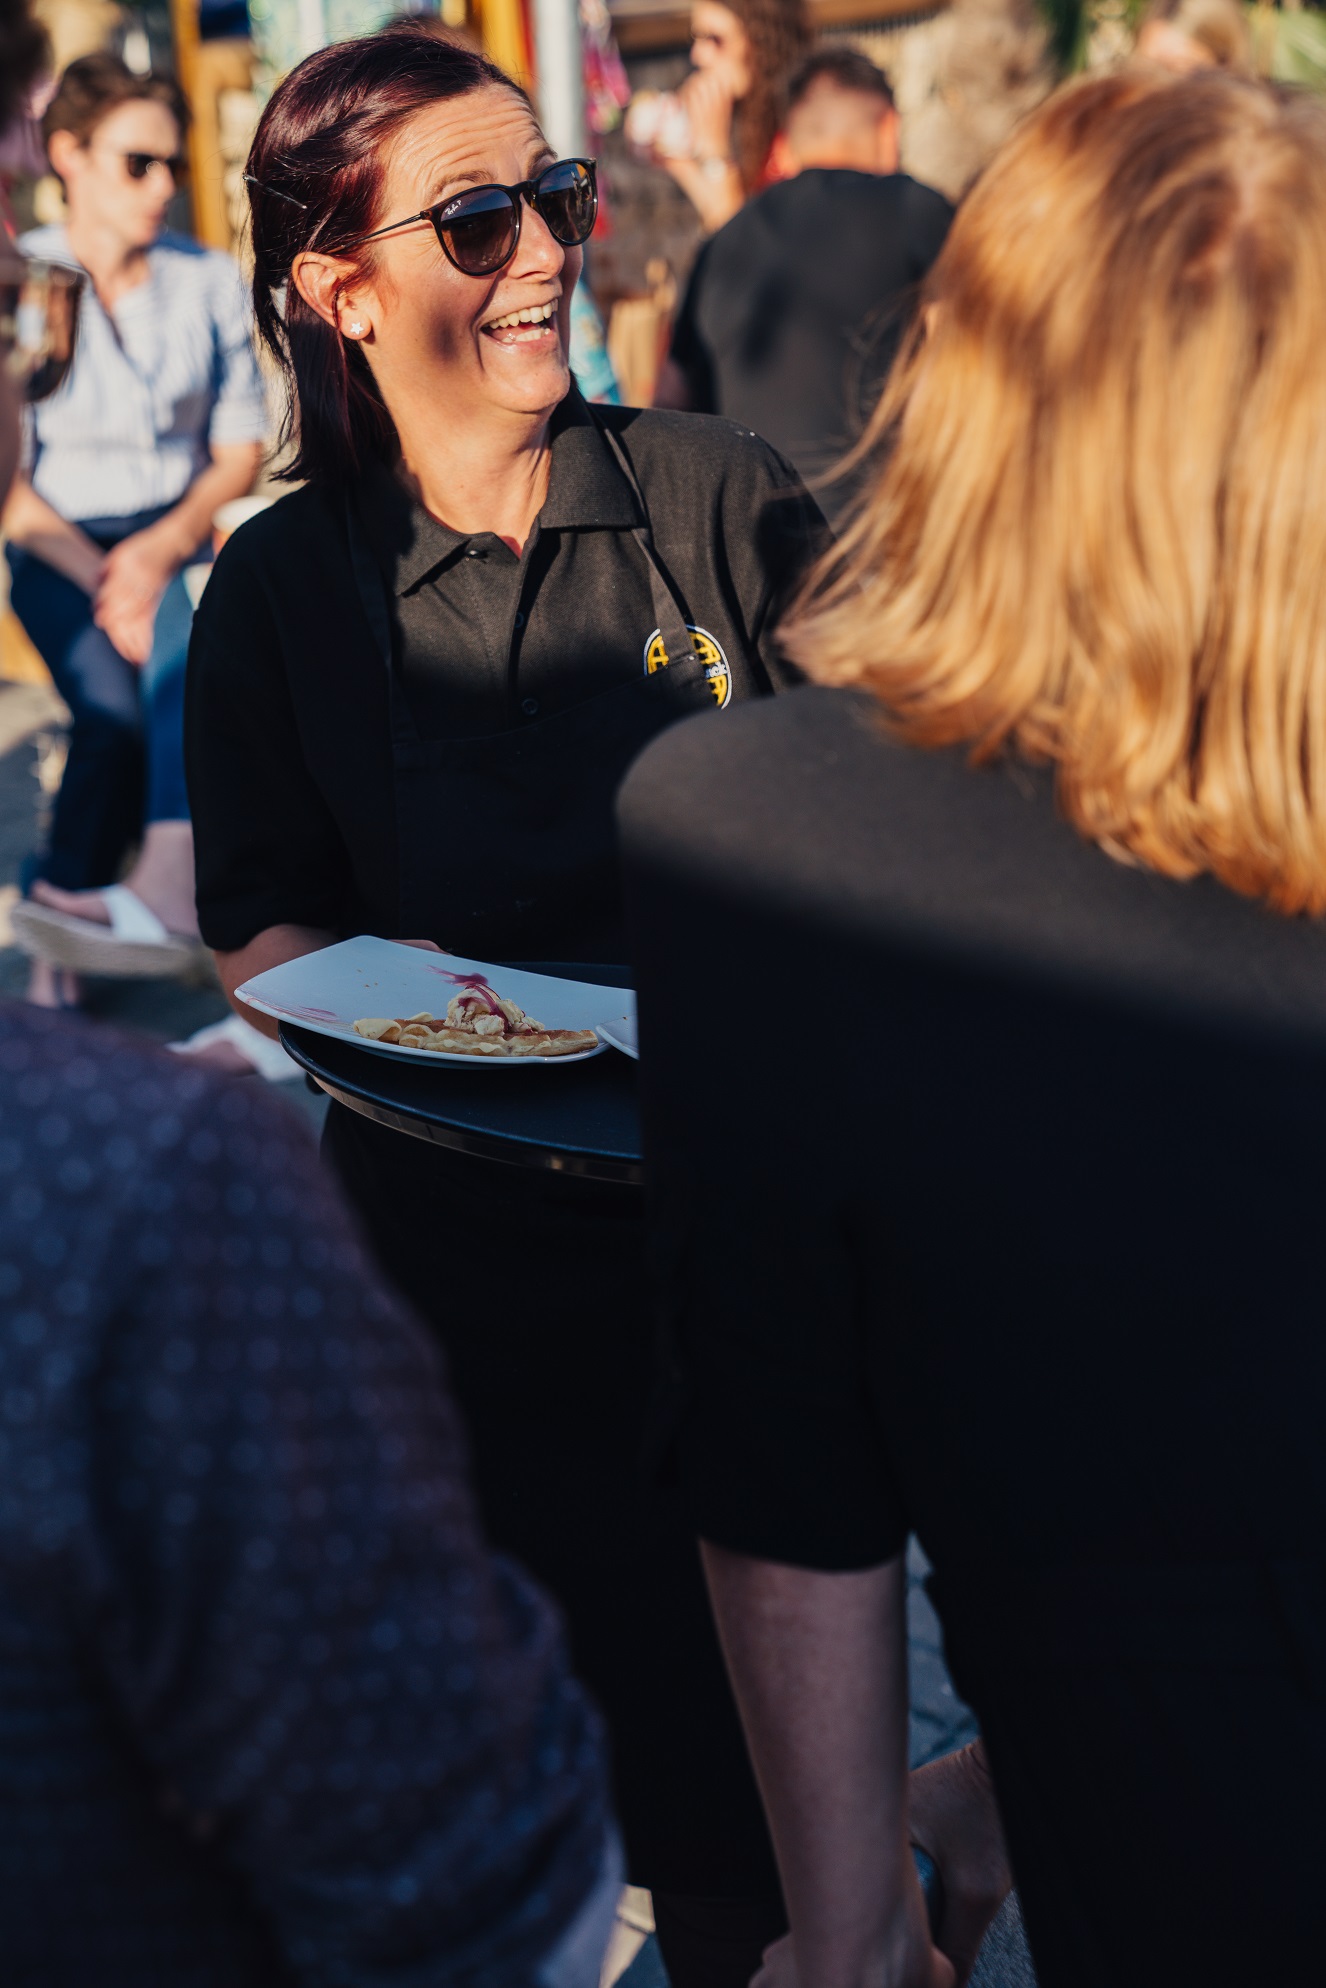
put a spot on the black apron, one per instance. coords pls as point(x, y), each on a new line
point(537, 1284)
point(541, 796)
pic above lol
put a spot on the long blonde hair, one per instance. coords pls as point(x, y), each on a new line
point(1094, 523)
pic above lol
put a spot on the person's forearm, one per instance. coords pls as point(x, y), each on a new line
point(30, 522)
point(231, 473)
point(819, 1667)
point(271, 947)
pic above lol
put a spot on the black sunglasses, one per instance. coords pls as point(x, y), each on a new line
point(479, 229)
point(139, 164)
point(38, 321)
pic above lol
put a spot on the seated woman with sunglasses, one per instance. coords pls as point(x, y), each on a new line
point(414, 686)
point(161, 420)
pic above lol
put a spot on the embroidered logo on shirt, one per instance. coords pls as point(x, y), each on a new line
point(710, 653)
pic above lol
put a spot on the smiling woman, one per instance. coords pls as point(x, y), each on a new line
point(415, 686)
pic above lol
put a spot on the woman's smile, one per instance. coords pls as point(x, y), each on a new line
point(530, 326)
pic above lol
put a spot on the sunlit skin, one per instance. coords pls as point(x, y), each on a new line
point(471, 403)
point(105, 204)
point(720, 47)
point(1170, 48)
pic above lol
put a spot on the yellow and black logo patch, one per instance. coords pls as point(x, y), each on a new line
point(710, 653)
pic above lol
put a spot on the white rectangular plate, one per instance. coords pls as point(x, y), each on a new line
point(622, 1035)
point(329, 991)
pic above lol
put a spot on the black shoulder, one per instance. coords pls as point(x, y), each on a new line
point(706, 450)
point(690, 788)
point(302, 532)
point(298, 518)
point(929, 213)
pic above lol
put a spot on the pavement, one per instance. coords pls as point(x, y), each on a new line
point(32, 720)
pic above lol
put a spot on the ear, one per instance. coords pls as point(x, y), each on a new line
point(61, 151)
point(783, 161)
point(328, 286)
point(886, 141)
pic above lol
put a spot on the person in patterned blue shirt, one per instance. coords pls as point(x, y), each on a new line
point(273, 1712)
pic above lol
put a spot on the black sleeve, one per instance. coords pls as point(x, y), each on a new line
point(771, 531)
point(366, 1713)
point(689, 350)
point(266, 849)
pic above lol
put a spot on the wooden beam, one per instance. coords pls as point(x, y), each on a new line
point(655, 27)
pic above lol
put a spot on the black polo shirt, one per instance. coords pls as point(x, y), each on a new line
point(288, 738)
point(795, 308)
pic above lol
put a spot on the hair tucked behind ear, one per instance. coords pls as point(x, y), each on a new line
point(315, 177)
point(1094, 529)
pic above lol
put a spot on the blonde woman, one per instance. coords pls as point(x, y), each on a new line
point(997, 1216)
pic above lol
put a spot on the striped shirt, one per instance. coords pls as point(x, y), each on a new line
point(153, 385)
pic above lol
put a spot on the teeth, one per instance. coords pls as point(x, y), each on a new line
point(538, 315)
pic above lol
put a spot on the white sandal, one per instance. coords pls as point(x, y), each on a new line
point(263, 1055)
point(135, 945)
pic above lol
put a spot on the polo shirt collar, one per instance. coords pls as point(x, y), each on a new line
point(586, 492)
point(586, 488)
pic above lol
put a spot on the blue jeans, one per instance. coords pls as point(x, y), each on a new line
point(126, 747)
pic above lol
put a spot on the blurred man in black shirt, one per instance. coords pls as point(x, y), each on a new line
point(795, 308)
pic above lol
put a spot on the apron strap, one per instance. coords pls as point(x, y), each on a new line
point(669, 610)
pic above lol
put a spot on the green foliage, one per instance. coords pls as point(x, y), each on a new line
point(1068, 23)
point(1291, 47)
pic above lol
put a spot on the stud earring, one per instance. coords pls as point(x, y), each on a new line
point(356, 329)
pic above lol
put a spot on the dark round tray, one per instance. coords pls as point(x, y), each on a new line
point(581, 1119)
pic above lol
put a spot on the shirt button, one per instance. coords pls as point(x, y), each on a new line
point(520, 621)
point(530, 707)
point(474, 552)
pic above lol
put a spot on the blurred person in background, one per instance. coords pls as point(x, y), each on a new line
point(794, 310)
point(1184, 35)
point(1022, 904)
point(715, 135)
point(161, 420)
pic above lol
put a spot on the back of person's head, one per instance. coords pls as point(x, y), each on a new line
point(95, 85)
point(315, 175)
point(24, 53)
point(1183, 35)
point(1093, 527)
point(840, 112)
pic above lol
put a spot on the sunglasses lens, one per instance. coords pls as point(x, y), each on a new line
point(568, 202)
point(139, 164)
point(478, 231)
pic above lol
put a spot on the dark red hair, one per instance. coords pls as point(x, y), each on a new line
point(315, 179)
